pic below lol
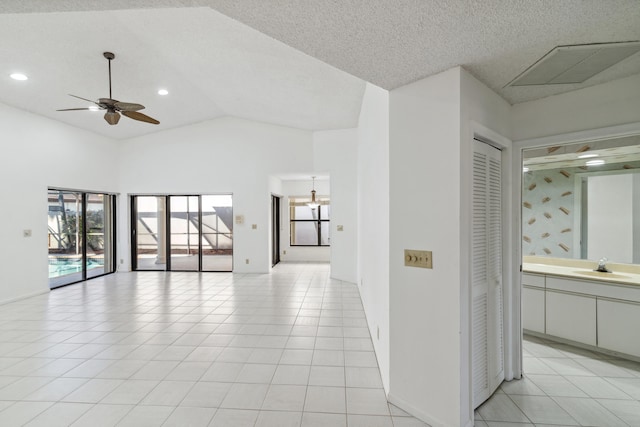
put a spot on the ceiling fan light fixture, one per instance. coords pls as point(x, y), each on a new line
point(112, 117)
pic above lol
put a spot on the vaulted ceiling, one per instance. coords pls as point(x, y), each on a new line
point(287, 62)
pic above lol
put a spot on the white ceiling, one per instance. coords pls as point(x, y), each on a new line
point(216, 66)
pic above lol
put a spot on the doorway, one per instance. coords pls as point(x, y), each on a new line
point(275, 230)
point(182, 232)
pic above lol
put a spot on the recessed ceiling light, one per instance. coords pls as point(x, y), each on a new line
point(18, 76)
point(595, 162)
point(163, 92)
point(586, 156)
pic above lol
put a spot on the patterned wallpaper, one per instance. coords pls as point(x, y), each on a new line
point(547, 213)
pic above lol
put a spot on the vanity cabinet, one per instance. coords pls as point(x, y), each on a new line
point(618, 326)
point(599, 314)
point(572, 317)
point(533, 317)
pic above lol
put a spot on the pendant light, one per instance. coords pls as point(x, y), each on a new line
point(313, 204)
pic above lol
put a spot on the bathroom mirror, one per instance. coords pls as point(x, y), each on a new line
point(581, 200)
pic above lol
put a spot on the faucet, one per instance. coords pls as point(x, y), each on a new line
point(602, 267)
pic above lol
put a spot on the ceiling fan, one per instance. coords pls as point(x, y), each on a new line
point(115, 107)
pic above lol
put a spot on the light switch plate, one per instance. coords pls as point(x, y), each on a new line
point(26, 233)
point(240, 219)
point(415, 258)
point(340, 228)
point(254, 226)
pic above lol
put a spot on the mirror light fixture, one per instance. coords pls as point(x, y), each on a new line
point(313, 204)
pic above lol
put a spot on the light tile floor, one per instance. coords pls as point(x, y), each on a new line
point(566, 386)
point(290, 348)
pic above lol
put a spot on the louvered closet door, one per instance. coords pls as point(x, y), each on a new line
point(486, 272)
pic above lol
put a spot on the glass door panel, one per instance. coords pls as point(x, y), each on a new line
point(99, 236)
point(150, 233)
point(217, 233)
point(65, 216)
point(184, 214)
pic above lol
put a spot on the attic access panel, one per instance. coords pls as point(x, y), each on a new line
point(575, 63)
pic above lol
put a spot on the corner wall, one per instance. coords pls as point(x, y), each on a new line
point(335, 151)
point(424, 214)
point(373, 220)
point(39, 153)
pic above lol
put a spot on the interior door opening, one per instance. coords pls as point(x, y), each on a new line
point(275, 230)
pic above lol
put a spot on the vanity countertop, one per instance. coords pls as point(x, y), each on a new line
point(624, 274)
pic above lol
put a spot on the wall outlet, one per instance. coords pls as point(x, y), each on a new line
point(121, 261)
point(26, 233)
point(284, 252)
point(246, 261)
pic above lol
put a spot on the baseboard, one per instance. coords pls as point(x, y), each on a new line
point(582, 345)
point(21, 297)
point(412, 410)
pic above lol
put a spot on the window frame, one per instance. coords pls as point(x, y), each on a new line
point(297, 201)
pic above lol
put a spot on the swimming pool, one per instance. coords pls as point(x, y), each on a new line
point(63, 266)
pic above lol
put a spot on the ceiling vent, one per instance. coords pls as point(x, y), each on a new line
point(574, 63)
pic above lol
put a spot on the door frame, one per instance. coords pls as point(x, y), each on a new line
point(167, 218)
point(511, 311)
point(276, 225)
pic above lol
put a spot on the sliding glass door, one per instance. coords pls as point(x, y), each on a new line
point(182, 232)
point(184, 214)
point(81, 236)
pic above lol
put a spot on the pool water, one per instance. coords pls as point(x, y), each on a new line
point(63, 266)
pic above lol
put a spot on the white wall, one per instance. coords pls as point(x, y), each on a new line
point(227, 155)
point(608, 104)
point(373, 219)
point(39, 153)
point(431, 128)
point(424, 169)
point(302, 253)
point(335, 151)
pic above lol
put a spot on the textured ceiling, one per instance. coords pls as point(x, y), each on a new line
point(387, 42)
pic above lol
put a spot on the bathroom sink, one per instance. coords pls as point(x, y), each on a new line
point(602, 275)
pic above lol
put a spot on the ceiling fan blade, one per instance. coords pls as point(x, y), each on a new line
point(140, 117)
point(74, 109)
point(128, 106)
point(84, 99)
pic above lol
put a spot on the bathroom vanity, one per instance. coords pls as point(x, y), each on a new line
point(566, 300)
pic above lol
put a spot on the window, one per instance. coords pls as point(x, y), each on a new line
point(309, 226)
point(81, 236)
